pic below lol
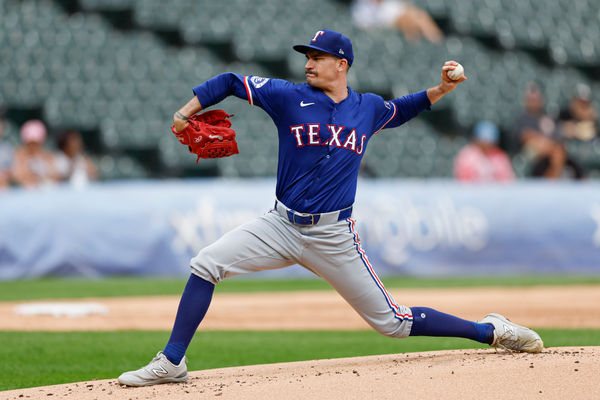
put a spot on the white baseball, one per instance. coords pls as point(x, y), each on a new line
point(457, 73)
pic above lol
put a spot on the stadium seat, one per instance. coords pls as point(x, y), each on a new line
point(85, 73)
point(111, 5)
point(119, 167)
point(10, 133)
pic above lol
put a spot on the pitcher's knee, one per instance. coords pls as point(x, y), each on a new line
point(394, 322)
point(205, 271)
point(204, 274)
point(395, 333)
point(396, 329)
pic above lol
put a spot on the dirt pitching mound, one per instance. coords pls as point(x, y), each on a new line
point(557, 373)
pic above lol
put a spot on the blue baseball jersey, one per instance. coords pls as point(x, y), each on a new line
point(321, 143)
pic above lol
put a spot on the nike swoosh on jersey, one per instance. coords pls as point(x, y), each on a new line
point(303, 104)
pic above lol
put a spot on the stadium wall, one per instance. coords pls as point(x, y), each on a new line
point(407, 227)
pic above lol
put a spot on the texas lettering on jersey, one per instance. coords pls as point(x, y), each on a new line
point(310, 135)
point(320, 143)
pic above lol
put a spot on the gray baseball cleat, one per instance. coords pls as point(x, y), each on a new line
point(513, 337)
point(159, 370)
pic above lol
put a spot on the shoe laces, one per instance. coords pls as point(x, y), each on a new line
point(154, 360)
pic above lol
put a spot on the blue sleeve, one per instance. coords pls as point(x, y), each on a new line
point(259, 91)
point(390, 114)
point(218, 88)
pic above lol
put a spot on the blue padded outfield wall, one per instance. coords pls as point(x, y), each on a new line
point(421, 228)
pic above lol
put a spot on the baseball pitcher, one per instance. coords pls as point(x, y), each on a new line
point(323, 127)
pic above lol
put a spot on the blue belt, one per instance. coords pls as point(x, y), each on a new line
point(304, 219)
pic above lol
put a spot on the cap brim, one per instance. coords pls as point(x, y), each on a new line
point(302, 48)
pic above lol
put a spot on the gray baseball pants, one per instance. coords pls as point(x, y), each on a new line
point(331, 249)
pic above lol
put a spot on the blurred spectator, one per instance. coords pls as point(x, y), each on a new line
point(411, 20)
point(72, 163)
point(482, 160)
point(6, 159)
point(580, 119)
point(539, 137)
point(34, 166)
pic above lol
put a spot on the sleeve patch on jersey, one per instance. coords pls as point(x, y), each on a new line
point(259, 81)
point(391, 118)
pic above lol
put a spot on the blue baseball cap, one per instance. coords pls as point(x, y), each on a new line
point(486, 131)
point(331, 42)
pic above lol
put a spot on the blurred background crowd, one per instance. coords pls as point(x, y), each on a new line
point(88, 87)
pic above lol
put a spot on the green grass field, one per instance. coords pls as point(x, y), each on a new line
point(45, 358)
point(78, 288)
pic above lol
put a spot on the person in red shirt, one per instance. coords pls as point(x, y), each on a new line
point(482, 160)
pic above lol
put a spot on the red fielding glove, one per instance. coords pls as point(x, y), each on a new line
point(209, 135)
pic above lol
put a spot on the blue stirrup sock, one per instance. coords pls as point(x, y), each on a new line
point(429, 322)
point(193, 305)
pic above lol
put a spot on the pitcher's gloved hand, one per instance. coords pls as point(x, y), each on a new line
point(209, 135)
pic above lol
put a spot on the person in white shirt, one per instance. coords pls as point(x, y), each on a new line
point(413, 21)
point(72, 163)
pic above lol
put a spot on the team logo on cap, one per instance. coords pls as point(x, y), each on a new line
point(258, 81)
point(319, 33)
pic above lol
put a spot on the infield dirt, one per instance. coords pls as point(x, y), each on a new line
point(541, 307)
